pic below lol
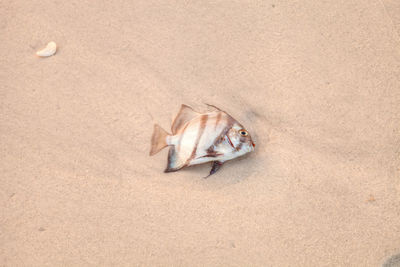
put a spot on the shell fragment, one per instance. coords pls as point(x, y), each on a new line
point(49, 50)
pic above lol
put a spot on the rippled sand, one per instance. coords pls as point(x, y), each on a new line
point(316, 83)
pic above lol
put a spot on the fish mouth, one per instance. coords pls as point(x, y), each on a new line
point(254, 145)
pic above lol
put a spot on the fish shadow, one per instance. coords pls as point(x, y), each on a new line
point(393, 261)
point(239, 169)
point(232, 172)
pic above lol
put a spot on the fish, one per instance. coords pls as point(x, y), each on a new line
point(198, 138)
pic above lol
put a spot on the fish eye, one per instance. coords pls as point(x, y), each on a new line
point(243, 132)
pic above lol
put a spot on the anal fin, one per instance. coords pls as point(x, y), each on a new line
point(174, 162)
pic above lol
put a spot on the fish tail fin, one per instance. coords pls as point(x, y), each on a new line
point(158, 140)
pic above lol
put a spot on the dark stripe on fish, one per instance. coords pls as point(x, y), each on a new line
point(203, 121)
point(210, 150)
point(229, 123)
point(211, 153)
point(218, 119)
point(214, 155)
point(239, 146)
point(219, 139)
point(230, 142)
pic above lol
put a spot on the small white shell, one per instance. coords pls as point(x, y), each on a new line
point(49, 50)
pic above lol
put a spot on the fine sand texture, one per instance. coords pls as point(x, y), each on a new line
point(316, 83)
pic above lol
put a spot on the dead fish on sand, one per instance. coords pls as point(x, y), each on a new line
point(198, 138)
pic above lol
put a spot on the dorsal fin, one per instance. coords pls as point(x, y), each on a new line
point(214, 107)
point(185, 114)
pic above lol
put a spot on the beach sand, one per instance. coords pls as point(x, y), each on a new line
point(316, 84)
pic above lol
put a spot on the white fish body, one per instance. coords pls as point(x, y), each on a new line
point(198, 138)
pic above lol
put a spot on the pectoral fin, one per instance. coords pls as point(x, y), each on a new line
point(215, 167)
